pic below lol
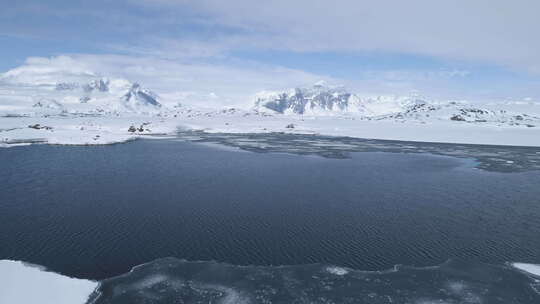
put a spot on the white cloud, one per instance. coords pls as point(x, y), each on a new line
point(493, 31)
point(43, 71)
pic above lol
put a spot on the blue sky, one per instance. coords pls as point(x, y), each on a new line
point(448, 49)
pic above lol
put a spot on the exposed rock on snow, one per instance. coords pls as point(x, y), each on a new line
point(101, 85)
point(39, 127)
point(137, 97)
point(134, 129)
point(66, 86)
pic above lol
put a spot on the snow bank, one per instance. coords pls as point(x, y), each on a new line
point(25, 284)
point(106, 129)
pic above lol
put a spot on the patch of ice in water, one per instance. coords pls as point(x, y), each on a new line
point(210, 282)
point(177, 281)
point(462, 290)
point(228, 295)
point(337, 270)
point(490, 158)
point(427, 301)
point(529, 268)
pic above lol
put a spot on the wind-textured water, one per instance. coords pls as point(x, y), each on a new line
point(96, 212)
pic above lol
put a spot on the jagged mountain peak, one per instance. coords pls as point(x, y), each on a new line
point(138, 96)
point(306, 100)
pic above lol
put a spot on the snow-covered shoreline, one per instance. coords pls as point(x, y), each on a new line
point(101, 130)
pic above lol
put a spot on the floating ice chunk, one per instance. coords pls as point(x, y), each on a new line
point(529, 268)
point(462, 290)
point(337, 270)
point(436, 301)
point(231, 295)
point(23, 283)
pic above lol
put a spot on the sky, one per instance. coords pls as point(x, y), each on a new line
point(453, 49)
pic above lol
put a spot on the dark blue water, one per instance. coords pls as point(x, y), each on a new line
point(95, 212)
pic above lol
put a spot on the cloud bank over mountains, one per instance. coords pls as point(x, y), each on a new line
point(453, 49)
point(210, 85)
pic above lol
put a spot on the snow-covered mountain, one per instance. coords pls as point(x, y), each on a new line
point(97, 95)
point(137, 97)
point(117, 94)
point(46, 92)
point(323, 100)
point(319, 99)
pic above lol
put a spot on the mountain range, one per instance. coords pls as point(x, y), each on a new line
point(323, 100)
